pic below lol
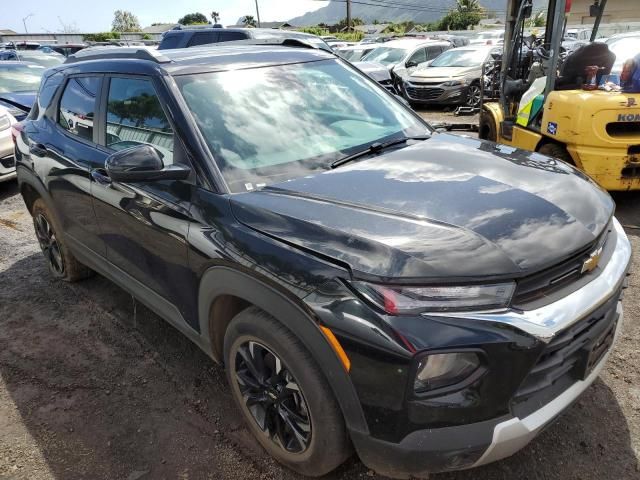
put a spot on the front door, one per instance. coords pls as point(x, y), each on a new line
point(144, 225)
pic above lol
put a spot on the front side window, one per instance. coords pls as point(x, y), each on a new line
point(271, 124)
point(418, 57)
point(78, 106)
point(135, 117)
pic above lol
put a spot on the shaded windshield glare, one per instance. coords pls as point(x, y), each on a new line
point(386, 55)
point(272, 124)
point(42, 58)
point(15, 77)
point(460, 58)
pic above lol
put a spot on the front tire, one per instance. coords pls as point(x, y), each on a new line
point(474, 96)
point(61, 262)
point(284, 398)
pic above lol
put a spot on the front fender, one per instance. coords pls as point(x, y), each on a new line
point(223, 280)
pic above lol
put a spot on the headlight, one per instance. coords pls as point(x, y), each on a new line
point(453, 83)
point(443, 369)
point(398, 300)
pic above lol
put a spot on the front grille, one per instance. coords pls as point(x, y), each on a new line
point(542, 284)
point(424, 93)
point(8, 162)
point(569, 357)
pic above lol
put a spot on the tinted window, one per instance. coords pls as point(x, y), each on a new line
point(78, 105)
point(135, 117)
point(433, 52)
point(419, 56)
point(230, 36)
point(203, 38)
point(170, 41)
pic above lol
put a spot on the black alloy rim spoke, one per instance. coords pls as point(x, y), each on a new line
point(273, 397)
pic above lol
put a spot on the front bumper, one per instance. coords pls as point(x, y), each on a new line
point(465, 446)
point(435, 93)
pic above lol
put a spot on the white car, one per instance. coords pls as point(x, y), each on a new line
point(7, 161)
point(404, 56)
point(488, 37)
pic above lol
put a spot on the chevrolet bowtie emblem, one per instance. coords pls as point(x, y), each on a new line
point(592, 262)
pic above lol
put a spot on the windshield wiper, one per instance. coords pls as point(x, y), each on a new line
point(376, 147)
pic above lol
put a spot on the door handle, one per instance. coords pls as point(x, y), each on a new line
point(101, 177)
point(38, 149)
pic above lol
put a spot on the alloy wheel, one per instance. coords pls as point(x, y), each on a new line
point(273, 397)
point(49, 244)
point(474, 95)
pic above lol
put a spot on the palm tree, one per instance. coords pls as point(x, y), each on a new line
point(468, 6)
point(249, 21)
point(215, 16)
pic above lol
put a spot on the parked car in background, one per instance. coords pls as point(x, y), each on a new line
point(7, 160)
point(451, 79)
point(379, 73)
point(625, 47)
point(19, 83)
point(402, 57)
point(65, 49)
point(580, 34)
point(186, 37)
point(354, 53)
point(488, 37)
point(33, 56)
point(23, 45)
point(432, 301)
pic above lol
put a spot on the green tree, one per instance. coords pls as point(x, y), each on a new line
point(455, 20)
point(215, 16)
point(124, 21)
point(101, 37)
point(249, 21)
point(193, 19)
point(354, 22)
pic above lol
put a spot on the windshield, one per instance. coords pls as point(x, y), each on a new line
point(386, 55)
point(624, 49)
point(272, 124)
point(460, 58)
point(15, 77)
point(45, 59)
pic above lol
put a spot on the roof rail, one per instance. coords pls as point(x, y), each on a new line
point(108, 53)
point(197, 27)
point(282, 41)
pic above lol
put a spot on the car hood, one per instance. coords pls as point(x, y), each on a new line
point(444, 72)
point(377, 71)
point(450, 207)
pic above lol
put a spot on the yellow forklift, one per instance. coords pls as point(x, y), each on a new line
point(597, 131)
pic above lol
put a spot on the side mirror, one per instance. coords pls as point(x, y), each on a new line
point(410, 64)
point(142, 163)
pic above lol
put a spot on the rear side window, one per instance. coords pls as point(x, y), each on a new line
point(231, 36)
point(78, 105)
point(433, 52)
point(135, 117)
point(203, 38)
point(170, 41)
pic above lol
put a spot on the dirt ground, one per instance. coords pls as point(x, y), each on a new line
point(95, 386)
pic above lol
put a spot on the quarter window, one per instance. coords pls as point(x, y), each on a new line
point(78, 105)
point(231, 36)
point(135, 117)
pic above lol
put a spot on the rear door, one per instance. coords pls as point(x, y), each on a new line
point(64, 151)
point(145, 224)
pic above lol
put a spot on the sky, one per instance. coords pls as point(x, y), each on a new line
point(96, 15)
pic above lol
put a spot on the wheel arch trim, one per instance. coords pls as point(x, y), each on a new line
point(224, 280)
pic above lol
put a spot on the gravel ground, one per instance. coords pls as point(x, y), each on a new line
point(93, 385)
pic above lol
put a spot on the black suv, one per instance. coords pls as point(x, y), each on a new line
point(432, 301)
point(186, 37)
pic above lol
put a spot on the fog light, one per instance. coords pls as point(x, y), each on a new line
point(442, 369)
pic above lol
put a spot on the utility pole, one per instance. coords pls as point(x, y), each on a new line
point(348, 15)
point(258, 14)
point(24, 22)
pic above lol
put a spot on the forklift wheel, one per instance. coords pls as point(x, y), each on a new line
point(556, 150)
point(487, 127)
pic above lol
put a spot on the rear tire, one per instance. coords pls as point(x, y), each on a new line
point(60, 261)
point(284, 398)
point(556, 150)
point(487, 127)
